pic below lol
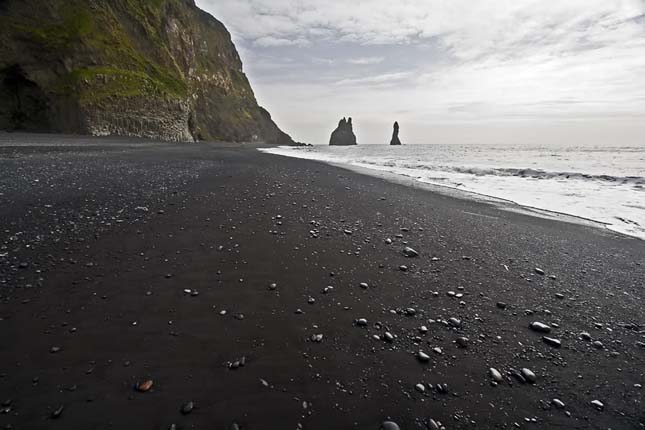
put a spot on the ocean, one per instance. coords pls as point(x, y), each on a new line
point(602, 184)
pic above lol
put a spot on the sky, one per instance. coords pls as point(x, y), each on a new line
point(449, 71)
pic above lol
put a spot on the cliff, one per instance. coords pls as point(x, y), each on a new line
point(154, 68)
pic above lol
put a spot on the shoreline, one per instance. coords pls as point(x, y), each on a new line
point(457, 192)
point(157, 262)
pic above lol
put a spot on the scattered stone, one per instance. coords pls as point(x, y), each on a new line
point(558, 403)
point(597, 344)
point(316, 338)
point(420, 388)
point(364, 285)
point(494, 373)
point(361, 322)
point(58, 412)
point(187, 408)
point(559, 296)
point(403, 268)
point(454, 322)
point(598, 404)
point(388, 241)
point(144, 386)
point(529, 375)
point(552, 342)
point(539, 271)
point(55, 349)
point(409, 252)
point(462, 342)
point(388, 337)
point(423, 329)
point(540, 327)
point(433, 425)
point(501, 305)
point(273, 286)
point(390, 425)
point(410, 312)
point(423, 357)
point(585, 336)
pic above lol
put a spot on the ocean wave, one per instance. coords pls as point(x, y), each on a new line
point(507, 171)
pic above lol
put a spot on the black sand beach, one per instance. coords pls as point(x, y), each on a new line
point(104, 242)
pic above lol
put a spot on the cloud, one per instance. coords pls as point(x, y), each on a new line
point(457, 60)
point(365, 61)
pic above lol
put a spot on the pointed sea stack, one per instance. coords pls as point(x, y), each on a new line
point(344, 134)
point(395, 135)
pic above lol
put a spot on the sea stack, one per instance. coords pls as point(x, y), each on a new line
point(344, 134)
point(395, 135)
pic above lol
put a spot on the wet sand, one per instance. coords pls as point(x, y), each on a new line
point(103, 243)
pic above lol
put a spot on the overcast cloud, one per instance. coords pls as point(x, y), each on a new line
point(448, 71)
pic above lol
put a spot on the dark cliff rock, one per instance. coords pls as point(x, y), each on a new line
point(344, 134)
point(153, 68)
point(395, 135)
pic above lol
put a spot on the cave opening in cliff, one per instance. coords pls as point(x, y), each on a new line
point(23, 104)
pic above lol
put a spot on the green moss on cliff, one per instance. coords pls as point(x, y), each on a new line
point(95, 55)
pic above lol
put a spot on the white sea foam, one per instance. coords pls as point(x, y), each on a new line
point(604, 184)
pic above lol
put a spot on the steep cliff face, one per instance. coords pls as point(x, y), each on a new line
point(154, 68)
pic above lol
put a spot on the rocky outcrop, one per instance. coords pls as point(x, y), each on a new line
point(395, 135)
point(162, 69)
point(344, 134)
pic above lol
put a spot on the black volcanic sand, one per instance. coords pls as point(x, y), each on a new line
point(100, 238)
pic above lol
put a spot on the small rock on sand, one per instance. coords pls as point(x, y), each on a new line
point(390, 425)
point(540, 327)
point(494, 373)
point(409, 252)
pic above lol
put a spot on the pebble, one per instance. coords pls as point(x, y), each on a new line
point(316, 338)
point(420, 388)
point(410, 312)
point(558, 403)
point(388, 241)
point(409, 252)
point(273, 286)
point(423, 357)
point(363, 285)
point(539, 271)
point(388, 337)
point(552, 342)
point(598, 404)
point(390, 425)
point(433, 425)
point(403, 268)
point(462, 342)
point(58, 412)
point(494, 373)
point(454, 322)
point(501, 305)
point(529, 375)
point(361, 322)
point(423, 329)
point(585, 336)
point(540, 327)
point(597, 344)
point(187, 408)
point(55, 349)
point(144, 386)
